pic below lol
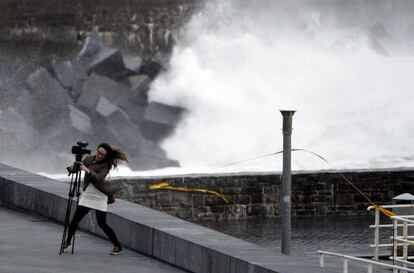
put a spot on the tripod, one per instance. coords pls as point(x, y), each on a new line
point(74, 189)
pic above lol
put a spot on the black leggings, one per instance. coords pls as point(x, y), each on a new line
point(80, 212)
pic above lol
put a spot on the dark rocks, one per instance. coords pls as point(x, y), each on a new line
point(71, 75)
point(99, 95)
point(102, 60)
point(151, 69)
point(159, 120)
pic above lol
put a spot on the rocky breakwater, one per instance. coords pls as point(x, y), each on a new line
point(100, 94)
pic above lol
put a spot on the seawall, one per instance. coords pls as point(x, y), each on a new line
point(321, 193)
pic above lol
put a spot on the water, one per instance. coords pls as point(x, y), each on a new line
point(349, 235)
point(240, 62)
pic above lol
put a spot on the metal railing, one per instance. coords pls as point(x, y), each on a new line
point(402, 240)
point(370, 263)
point(396, 241)
point(377, 226)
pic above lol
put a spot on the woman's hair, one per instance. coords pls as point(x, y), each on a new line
point(113, 154)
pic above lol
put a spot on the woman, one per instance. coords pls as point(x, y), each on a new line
point(96, 168)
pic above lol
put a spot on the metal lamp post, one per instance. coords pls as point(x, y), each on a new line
point(286, 181)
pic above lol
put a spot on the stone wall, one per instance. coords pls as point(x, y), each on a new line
point(257, 196)
point(143, 26)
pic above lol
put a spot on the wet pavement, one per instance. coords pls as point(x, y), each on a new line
point(30, 244)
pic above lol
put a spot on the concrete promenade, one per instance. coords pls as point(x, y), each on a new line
point(30, 244)
point(183, 244)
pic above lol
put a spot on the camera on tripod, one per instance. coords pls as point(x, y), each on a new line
point(80, 150)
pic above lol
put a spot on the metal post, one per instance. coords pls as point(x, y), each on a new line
point(286, 181)
point(345, 266)
point(376, 234)
point(405, 245)
point(394, 241)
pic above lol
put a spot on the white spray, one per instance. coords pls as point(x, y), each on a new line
point(239, 64)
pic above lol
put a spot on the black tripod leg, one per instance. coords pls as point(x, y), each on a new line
point(68, 210)
point(77, 190)
point(66, 223)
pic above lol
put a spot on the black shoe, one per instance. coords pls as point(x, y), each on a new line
point(66, 244)
point(116, 250)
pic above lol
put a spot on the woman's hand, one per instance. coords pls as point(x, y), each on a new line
point(84, 168)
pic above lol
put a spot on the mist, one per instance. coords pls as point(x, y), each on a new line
point(240, 62)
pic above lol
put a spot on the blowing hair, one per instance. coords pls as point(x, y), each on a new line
point(113, 154)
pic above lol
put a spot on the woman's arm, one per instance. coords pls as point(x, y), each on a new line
point(97, 176)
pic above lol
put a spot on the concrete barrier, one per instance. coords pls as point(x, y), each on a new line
point(175, 241)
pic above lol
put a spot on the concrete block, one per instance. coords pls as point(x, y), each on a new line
point(102, 60)
point(126, 132)
point(139, 82)
point(239, 265)
point(48, 96)
point(151, 69)
point(139, 88)
point(95, 87)
point(12, 75)
point(132, 63)
point(105, 107)
point(164, 246)
point(136, 235)
point(189, 255)
point(160, 120)
point(71, 75)
point(214, 262)
point(109, 63)
point(133, 109)
point(26, 195)
point(79, 119)
point(107, 96)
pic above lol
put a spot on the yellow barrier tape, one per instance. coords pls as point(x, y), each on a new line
point(166, 186)
point(385, 211)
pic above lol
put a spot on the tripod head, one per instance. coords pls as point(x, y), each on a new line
point(80, 150)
